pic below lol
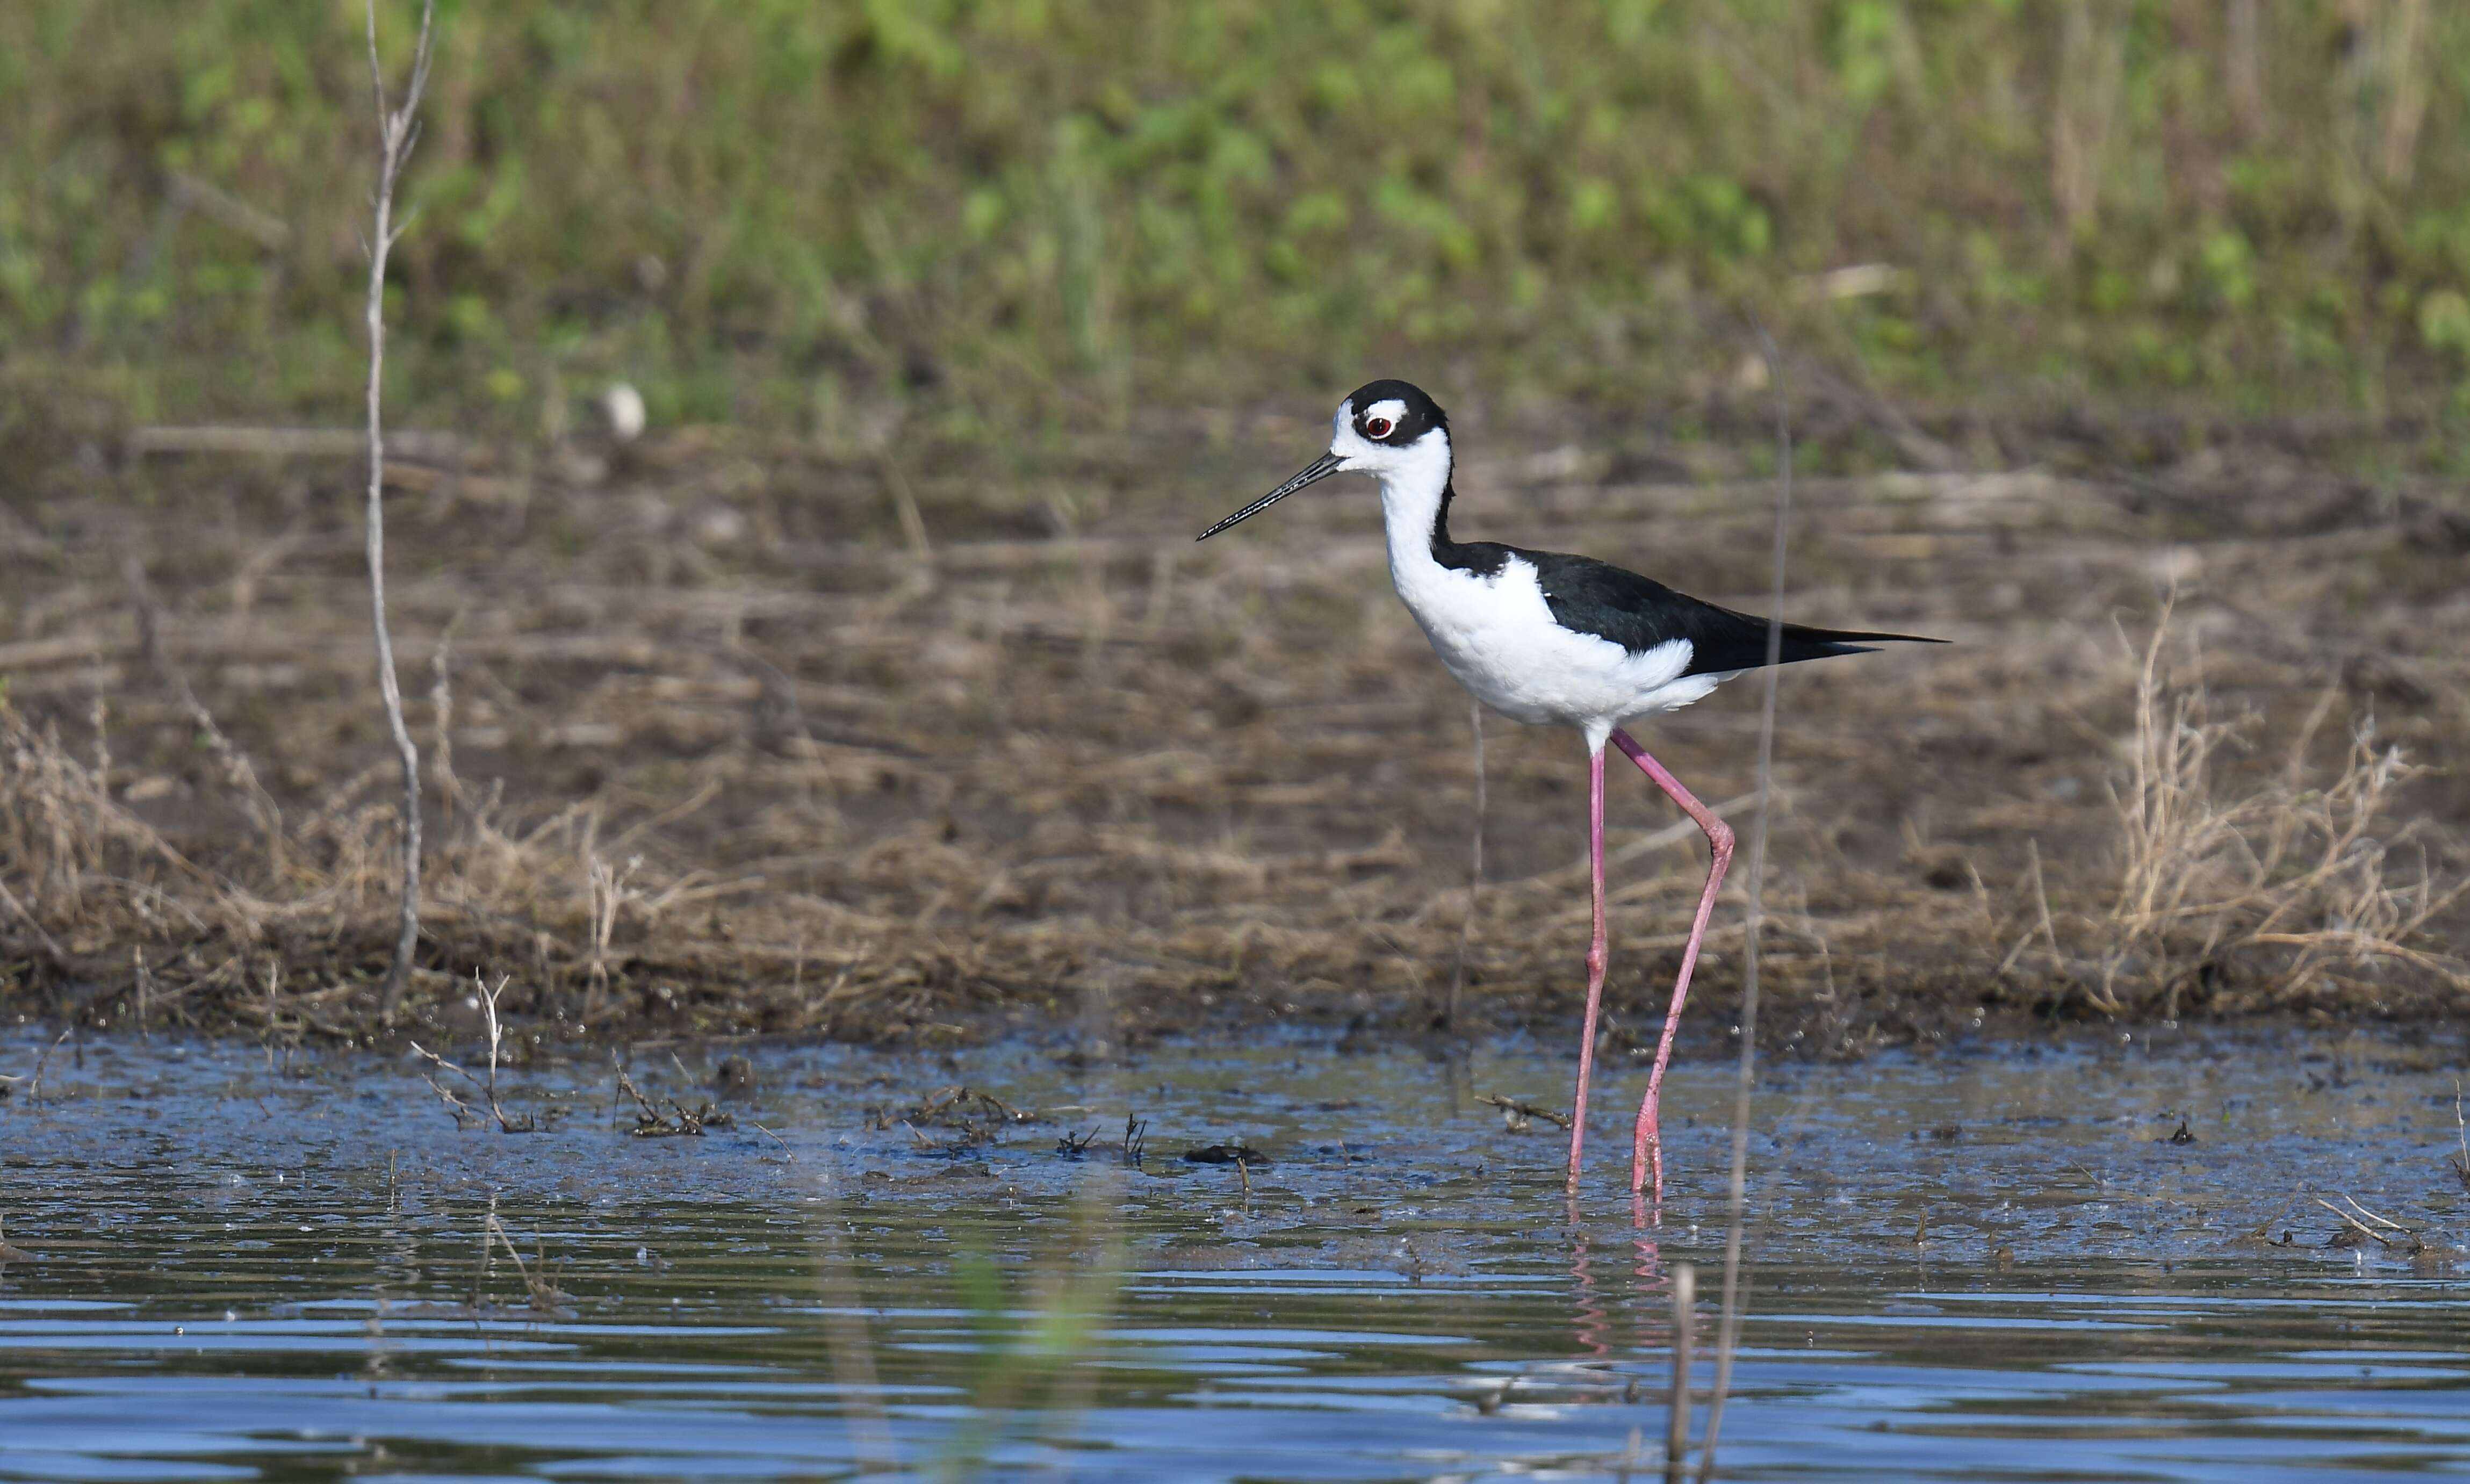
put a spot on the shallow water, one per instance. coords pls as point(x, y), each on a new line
point(1966, 1266)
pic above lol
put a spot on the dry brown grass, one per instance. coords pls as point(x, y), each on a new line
point(714, 746)
point(2302, 885)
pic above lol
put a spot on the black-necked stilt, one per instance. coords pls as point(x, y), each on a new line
point(1545, 636)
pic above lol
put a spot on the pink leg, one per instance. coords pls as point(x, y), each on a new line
point(1646, 1149)
point(1594, 959)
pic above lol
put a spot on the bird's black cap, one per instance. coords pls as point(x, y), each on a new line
point(1422, 415)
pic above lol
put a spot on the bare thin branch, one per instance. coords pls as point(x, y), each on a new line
point(397, 129)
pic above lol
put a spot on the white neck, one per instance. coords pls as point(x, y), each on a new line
point(1413, 479)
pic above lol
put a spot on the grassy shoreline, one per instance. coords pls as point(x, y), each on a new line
point(819, 220)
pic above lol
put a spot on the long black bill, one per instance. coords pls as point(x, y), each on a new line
point(1320, 469)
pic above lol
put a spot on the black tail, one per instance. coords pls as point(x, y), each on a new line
point(1803, 643)
point(1725, 642)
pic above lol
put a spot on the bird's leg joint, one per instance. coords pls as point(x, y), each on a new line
point(1719, 837)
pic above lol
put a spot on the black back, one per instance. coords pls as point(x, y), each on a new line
point(1639, 612)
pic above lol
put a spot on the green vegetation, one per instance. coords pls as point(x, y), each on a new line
point(782, 213)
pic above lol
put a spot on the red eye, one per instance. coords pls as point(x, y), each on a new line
point(1377, 427)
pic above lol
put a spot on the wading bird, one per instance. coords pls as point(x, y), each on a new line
point(1544, 637)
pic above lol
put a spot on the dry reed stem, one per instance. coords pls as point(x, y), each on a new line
point(2405, 97)
point(2091, 54)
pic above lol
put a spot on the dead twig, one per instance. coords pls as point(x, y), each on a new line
point(465, 1114)
point(461, 1107)
point(461, 1110)
point(398, 131)
point(2360, 1224)
point(607, 889)
point(2353, 1228)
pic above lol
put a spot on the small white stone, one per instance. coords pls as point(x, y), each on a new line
point(623, 406)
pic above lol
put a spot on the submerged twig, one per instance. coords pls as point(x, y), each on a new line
point(951, 1096)
point(541, 1294)
point(1518, 1115)
point(650, 1122)
point(35, 1083)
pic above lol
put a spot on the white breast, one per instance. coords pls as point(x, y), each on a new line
point(1497, 635)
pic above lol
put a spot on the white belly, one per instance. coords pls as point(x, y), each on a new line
point(1497, 635)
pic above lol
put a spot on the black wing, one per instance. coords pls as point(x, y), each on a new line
point(1639, 612)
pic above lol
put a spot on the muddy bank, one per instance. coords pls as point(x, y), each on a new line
point(732, 739)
